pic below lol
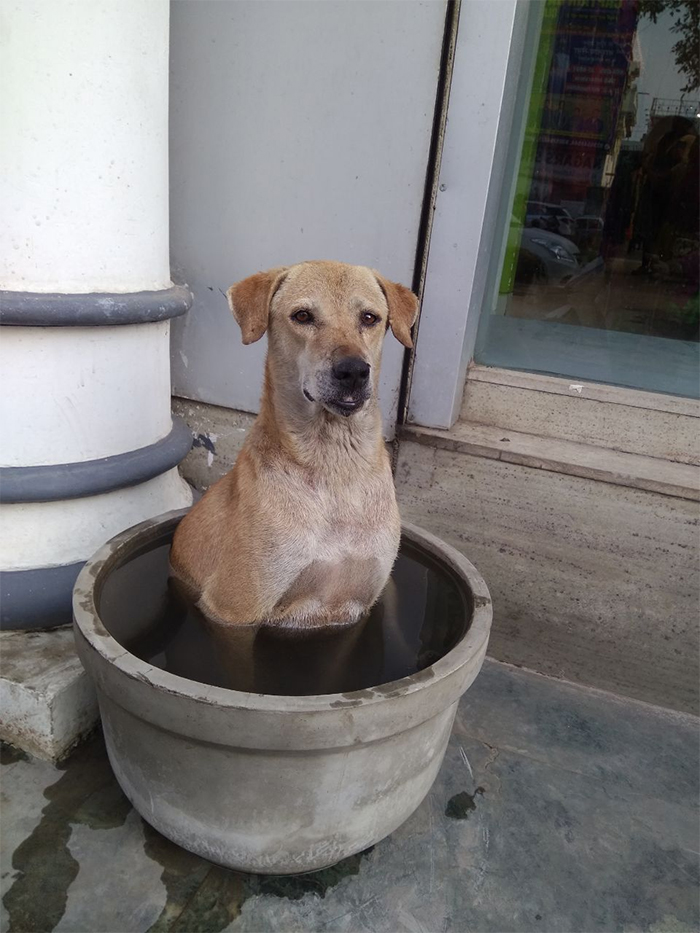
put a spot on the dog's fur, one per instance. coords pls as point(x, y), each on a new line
point(304, 530)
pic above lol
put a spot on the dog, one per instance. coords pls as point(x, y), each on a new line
point(301, 535)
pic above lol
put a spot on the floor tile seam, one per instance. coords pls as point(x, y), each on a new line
point(662, 712)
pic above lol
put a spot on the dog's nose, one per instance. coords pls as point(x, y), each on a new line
point(351, 372)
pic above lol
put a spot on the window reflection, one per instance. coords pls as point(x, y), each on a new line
point(604, 227)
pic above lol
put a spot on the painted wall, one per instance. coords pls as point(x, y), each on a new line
point(298, 131)
point(78, 393)
point(84, 117)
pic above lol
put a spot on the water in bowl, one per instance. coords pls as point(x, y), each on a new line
point(416, 621)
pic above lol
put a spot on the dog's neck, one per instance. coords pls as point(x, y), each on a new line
point(311, 436)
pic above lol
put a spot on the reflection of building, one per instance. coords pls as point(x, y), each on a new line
point(662, 107)
point(591, 111)
point(590, 105)
point(626, 122)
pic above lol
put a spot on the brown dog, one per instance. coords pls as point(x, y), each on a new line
point(304, 530)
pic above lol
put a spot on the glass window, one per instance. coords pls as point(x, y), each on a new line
point(597, 273)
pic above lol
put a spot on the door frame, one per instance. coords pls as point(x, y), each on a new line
point(494, 39)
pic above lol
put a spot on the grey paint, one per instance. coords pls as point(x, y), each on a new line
point(273, 784)
point(298, 131)
point(92, 477)
point(37, 599)
point(92, 309)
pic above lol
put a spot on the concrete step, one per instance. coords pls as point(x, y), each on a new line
point(47, 700)
point(560, 456)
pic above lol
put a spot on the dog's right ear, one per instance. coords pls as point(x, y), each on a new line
point(250, 301)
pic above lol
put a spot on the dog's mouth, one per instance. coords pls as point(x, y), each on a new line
point(344, 406)
point(338, 406)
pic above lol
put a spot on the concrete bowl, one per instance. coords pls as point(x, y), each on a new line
point(273, 784)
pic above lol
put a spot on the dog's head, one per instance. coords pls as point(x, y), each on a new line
point(326, 323)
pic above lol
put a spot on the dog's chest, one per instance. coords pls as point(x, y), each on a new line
point(333, 524)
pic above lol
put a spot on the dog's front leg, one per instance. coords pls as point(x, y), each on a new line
point(237, 655)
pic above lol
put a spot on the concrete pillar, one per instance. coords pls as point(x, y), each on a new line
point(89, 446)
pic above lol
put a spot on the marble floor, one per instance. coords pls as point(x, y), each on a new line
point(558, 808)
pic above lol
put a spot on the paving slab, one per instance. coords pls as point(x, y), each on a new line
point(558, 809)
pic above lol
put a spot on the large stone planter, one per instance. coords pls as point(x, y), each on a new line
point(266, 783)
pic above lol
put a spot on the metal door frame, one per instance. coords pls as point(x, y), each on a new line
point(489, 80)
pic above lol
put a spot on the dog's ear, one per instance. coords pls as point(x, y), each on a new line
point(403, 309)
point(250, 301)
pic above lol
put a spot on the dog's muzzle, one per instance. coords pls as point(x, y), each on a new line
point(349, 384)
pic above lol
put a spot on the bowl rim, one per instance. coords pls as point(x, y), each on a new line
point(88, 624)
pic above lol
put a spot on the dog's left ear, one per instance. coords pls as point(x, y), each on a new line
point(250, 301)
point(403, 309)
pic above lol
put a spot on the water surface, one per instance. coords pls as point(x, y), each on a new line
point(415, 622)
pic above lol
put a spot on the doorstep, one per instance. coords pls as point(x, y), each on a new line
point(559, 456)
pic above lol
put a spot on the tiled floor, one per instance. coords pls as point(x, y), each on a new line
point(557, 809)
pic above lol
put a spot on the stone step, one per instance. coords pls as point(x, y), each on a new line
point(559, 456)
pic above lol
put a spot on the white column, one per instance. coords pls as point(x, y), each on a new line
point(84, 118)
point(88, 443)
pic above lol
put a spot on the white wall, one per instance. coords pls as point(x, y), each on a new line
point(299, 130)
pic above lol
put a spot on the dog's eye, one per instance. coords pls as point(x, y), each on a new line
point(368, 318)
point(303, 316)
